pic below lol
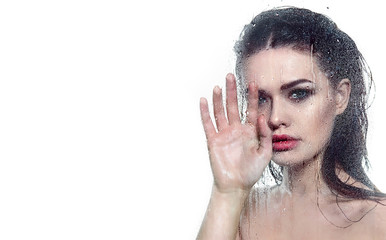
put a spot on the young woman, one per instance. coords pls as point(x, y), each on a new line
point(302, 114)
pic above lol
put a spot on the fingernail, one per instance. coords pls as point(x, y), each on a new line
point(217, 89)
point(229, 76)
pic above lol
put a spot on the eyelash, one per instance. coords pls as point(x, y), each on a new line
point(304, 94)
point(293, 95)
point(262, 100)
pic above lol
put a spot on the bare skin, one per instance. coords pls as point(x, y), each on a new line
point(302, 207)
point(302, 214)
point(236, 159)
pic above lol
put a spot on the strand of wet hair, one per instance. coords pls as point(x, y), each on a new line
point(374, 189)
point(317, 203)
point(344, 214)
point(320, 210)
point(336, 200)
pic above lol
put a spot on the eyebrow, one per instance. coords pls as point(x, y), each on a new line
point(294, 83)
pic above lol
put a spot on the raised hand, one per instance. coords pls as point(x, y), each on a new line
point(238, 152)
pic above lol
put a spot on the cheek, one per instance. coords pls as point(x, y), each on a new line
point(264, 109)
point(319, 123)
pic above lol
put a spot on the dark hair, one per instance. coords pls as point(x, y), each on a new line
point(338, 57)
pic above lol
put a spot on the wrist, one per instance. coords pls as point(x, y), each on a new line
point(233, 194)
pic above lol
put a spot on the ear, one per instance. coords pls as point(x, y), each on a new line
point(342, 95)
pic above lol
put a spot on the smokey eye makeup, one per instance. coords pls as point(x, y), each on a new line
point(300, 94)
point(294, 94)
point(263, 97)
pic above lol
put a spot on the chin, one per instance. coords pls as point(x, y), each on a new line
point(291, 159)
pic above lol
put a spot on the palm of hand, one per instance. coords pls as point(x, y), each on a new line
point(234, 157)
point(237, 157)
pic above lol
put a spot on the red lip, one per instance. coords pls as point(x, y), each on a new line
point(283, 142)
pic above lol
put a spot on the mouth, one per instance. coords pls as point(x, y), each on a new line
point(283, 143)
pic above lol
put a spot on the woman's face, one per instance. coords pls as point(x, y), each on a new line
point(297, 101)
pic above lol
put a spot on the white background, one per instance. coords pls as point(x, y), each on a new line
point(100, 133)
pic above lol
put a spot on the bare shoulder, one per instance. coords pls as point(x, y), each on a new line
point(380, 216)
point(375, 221)
point(381, 208)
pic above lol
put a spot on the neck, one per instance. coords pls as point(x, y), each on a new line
point(305, 190)
point(305, 179)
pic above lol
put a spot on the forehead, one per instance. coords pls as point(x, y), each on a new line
point(281, 66)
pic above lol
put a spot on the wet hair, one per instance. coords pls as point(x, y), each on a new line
point(338, 57)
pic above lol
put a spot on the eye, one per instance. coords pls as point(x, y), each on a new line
point(299, 94)
point(262, 100)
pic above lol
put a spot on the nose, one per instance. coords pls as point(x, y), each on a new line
point(278, 117)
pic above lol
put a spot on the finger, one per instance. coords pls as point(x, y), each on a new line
point(231, 99)
point(265, 136)
point(206, 120)
point(253, 100)
point(218, 108)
